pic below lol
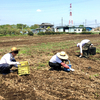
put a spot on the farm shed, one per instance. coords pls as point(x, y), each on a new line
point(71, 29)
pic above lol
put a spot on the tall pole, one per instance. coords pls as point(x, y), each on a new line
point(85, 22)
point(62, 21)
point(95, 23)
point(71, 20)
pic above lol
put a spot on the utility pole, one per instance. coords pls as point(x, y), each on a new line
point(85, 22)
point(62, 21)
point(95, 23)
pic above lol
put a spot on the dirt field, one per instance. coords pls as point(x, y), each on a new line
point(43, 84)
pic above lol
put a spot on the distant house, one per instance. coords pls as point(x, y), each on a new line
point(35, 31)
point(43, 27)
point(71, 29)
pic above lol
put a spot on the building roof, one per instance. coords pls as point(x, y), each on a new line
point(46, 24)
point(71, 27)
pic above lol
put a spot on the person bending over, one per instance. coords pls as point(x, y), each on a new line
point(58, 60)
point(84, 47)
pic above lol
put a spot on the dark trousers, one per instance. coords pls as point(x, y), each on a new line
point(55, 66)
point(86, 49)
point(5, 68)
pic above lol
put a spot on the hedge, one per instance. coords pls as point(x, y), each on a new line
point(50, 33)
point(53, 33)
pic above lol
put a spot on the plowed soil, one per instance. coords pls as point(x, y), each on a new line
point(44, 84)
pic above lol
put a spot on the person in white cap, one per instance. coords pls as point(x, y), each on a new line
point(84, 47)
point(8, 60)
point(57, 61)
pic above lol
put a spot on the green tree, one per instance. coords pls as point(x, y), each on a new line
point(18, 31)
point(1, 31)
point(14, 26)
point(19, 26)
point(34, 26)
point(84, 29)
point(81, 25)
point(9, 31)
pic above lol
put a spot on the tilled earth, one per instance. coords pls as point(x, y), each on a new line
point(43, 84)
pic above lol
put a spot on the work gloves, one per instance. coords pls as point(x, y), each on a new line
point(80, 56)
point(17, 63)
point(71, 69)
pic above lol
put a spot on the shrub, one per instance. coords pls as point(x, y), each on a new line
point(84, 32)
point(41, 33)
point(73, 33)
point(50, 33)
point(30, 33)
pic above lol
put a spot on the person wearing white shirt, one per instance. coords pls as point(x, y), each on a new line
point(57, 61)
point(84, 47)
point(8, 60)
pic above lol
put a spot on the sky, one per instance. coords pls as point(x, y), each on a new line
point(57, 12)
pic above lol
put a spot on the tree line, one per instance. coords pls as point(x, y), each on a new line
point(16, 29)
point(21, 29)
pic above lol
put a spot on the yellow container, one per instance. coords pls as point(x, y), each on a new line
point(23, 69)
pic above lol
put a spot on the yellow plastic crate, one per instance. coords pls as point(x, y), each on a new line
point(23, 69)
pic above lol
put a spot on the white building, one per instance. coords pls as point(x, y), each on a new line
point(71, 29)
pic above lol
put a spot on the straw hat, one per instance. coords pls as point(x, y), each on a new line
point(14, 49)
point(62, 55)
